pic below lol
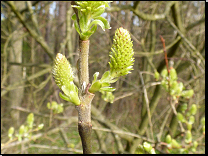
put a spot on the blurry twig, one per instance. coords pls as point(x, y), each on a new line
point(124, 133)
point(147, 103)
point(186, 40)
point(55, 148)
point(141, 54)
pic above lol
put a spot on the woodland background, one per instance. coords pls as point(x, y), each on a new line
point(32, 33)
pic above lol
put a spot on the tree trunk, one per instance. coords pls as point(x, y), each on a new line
point(16, 95)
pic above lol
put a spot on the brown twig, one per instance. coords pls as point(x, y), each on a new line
point(165, 53)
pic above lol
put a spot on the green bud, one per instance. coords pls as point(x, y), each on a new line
point(121, 61)
point(71, 145)
point(157, 76)
point(188, 138)
point(107, 96)
point(19, 137)
point(193, 109)
point(60, 108)
point(147, 147)
point(40, 126)
point(108, 89)
point(168, 139)
point(179, 88)
point(187, 93)
point(164, 73)
point(49, 105)
point(191, 119)
point(30, 120)
point(152, 151)
point(173, 74)
point(10, 132)
point(95, 87)
point(54, 105)
point(174, 85)
point(63, 75)
point(95, 77)
point(175, 144)
point(203, 121)
point(195, 144)
point(193, 149)
point(140, 150)
point(89, 15)
point(180, 117)
point(183, 107)
point(189, 126)
point(203, 129)
point(26, 131)
point(164, 83)
point(172, 91)
point(21, 130)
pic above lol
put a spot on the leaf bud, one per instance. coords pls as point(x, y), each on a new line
point(180, 117)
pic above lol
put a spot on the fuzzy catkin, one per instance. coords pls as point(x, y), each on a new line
point(121, 61)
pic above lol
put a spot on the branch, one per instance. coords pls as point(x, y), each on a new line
point(147, 103)
point(35, 137)
point(186, 40)
point(37, 37)
point(190, 26)
point(140, 14)
point(138, 54)
point(13, 86)
point(84, 109)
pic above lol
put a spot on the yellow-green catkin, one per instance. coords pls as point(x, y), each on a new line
point(121, 61)
point(63, 75)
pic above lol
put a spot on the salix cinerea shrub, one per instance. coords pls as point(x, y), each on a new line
point(121, 63)
point(185, 115)
point(170, 83)
point(86, 18)
point(25, 130)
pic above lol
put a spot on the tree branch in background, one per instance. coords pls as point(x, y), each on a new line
point(34, 34)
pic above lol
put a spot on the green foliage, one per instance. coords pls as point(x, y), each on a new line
point(121, 62)
point(30, 120)
point(180, 117)
point(24, 130)
point(168, 139)
point(146, 148)
point(203, 124)
point(63, 75)
point(10, 133)
point(203, 121)
point(89, 16)
point(170, 83)
point(107, 96)
point(188, 138)
point(183, 107)
point(192, 110)
point(157, 76)
point(187, 117)
point(57, 108)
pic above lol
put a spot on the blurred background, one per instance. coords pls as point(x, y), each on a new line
point(33, 32)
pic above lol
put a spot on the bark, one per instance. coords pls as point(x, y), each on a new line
point(84, 109)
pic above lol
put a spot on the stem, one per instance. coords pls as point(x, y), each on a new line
point(83, 62)
point(84, 109)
